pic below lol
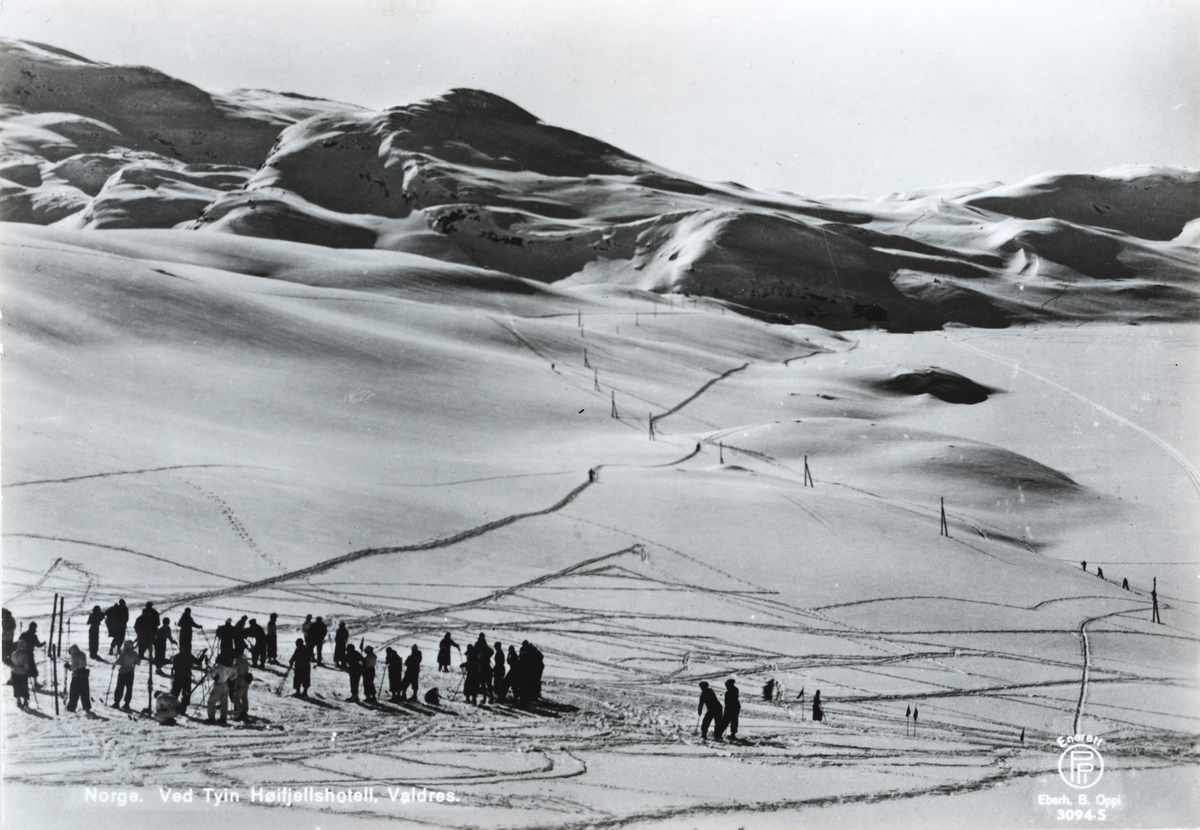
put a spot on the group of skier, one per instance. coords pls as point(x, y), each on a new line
point(244, 645)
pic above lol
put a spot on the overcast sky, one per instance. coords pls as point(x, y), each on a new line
point(852, 97)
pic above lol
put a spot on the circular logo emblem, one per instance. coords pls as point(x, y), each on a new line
point(1080, 766)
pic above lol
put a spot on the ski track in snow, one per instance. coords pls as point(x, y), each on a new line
point(373, 731)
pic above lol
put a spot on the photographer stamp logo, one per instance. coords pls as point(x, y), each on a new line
point(1080, 765)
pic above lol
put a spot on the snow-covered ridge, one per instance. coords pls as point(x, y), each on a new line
point(471, 178)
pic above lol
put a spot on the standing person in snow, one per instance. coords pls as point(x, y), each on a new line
point(354, 665)
point(239, 689)
point(273, 640)
point(711, 707)
point(818, 711)
point(144, 629)
point(483, 660)
point(30, 639)
point(222, 676)
point(9, 627)
point(301, 664)
point(258, 651)
point(77, 666)
point(304, 626)
point(412, 674)
point(181, 678)
point(395, 673)
point(185, 626)
point(470, 671)
point(512, 680)
point(369, 662)
point(532, 665)
point(22, 667)
point(733, 707)
point(225, 638)
point(93, 623)
point(317, 632)
point(116, 620)
point(498, 673)
point(444, 652)
point(340, 638)
point(161, 637)
point(126, 662)
point(239, 634)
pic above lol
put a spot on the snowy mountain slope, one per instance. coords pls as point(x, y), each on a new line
point(469, 177)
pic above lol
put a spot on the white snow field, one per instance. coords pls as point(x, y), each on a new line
point(395, 428)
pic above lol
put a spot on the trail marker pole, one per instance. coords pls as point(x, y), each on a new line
point(50, 652)
point(808, 479)
point(579, 318)
point(614, 406)
point(721, 451)
point(596, 379)
point(586, 365)
point(650, 417)
point(945, 528)
point(62, 611)
point(1154, 597)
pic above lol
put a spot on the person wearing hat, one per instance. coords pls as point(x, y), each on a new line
point(166, 708)
point(125, 664)
point(77, 665)
point(185, 626)
point(369, 662)
point(22, 667)
point(116, 620)
point(218, 696)
point(273, 639)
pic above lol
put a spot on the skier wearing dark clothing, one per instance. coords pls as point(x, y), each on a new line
point(185, 626)
point(30, 638)
point(144, 627)
point(412, 672)
point(483, 666)
point(181, 678)
point(818, 711)
point(711, 707)
point(354, 665)
point(340, 638)
point(470, 670)
point(225, 638)
point(9, 635)
point(258, 651)
point(512, 681)
point(395, 672)
point(116, 620)
point(733, 707)
point(93, 622)
point(301, 664)
point(239, 634)
point(273, 640)
point(532, 664)
point(369, 661)
point(317, 632)
point(161, 637)
point(444, 652)
point(498, 672)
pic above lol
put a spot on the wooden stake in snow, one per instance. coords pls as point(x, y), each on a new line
point(614, 405)
point(586, 365)
point(650, 417)
point(945, 530)
point(808, 479)
point(51, 655)
point(596, 379)
point(579, 318)
point(721, 451)
point(1154, 597)
point(907, 718)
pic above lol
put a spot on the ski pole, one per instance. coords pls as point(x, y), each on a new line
point(111, 675)
point(279, 689)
